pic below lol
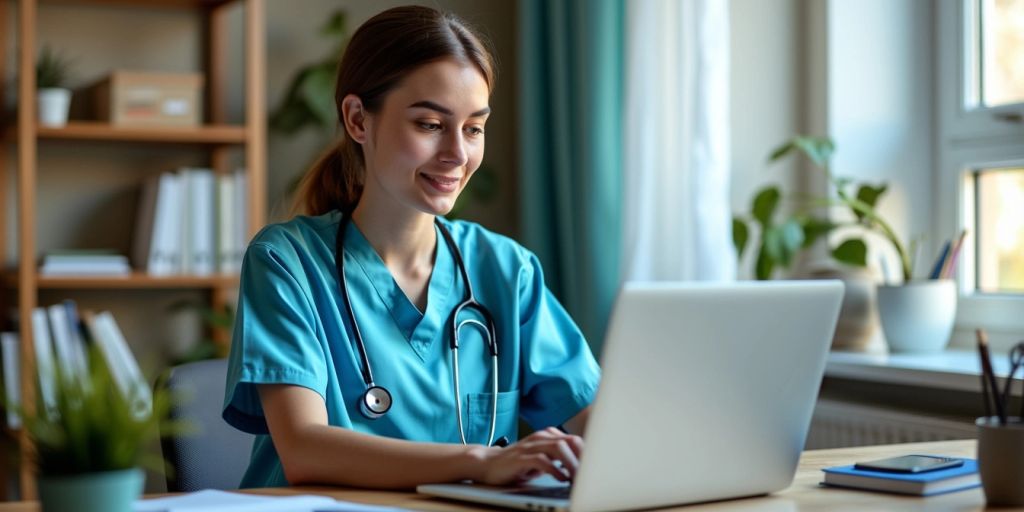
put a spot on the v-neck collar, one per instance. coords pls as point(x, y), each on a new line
point(419, 328)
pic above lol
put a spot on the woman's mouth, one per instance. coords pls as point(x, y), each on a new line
point(444, 184)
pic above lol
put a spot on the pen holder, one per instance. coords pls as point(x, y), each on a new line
point(1001, 460)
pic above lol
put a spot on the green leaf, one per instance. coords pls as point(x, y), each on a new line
point(317, 89)
point(764, 266)
point(791, 235)
point(852, 252)
point(764, 205)
point(869, 195)
point(815, 228)
point(818, 149)
point(740, 235)
point(335, 26)
point(781, 151)
point(782, 242)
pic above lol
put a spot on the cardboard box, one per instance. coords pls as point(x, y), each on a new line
point(129, 98)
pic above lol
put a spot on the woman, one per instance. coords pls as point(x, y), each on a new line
point(355, 381)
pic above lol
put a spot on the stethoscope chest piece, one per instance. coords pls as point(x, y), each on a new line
point(375, 402)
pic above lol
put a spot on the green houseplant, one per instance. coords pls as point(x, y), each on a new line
point(781, 240)
point(53, 98)
point(90, 443)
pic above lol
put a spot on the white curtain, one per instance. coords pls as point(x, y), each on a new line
point(677, 222)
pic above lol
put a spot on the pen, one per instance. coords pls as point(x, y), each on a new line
point(989, 375)
point(937, 268)
point(949, 266)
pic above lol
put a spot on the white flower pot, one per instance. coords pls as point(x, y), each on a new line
point(918, 316)
point(52, 106)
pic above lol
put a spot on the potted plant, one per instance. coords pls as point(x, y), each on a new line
point(90, 443)
point(916, 315)
point(53, 98)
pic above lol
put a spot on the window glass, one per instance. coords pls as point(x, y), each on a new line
point(1000, 230)
point(1002, 49)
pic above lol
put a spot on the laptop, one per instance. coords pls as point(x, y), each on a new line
point(706, 394)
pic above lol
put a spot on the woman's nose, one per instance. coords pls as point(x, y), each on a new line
point(454, 151)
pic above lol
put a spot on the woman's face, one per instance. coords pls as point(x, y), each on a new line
point(427, 140)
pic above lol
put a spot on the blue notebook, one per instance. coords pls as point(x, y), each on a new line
point(921, 484)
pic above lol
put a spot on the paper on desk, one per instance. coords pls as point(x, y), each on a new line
point(220, 501)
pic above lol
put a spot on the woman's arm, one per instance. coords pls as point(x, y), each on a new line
point(578, 424)
point(312, 452)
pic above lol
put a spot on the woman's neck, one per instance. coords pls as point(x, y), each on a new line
point(404, 241)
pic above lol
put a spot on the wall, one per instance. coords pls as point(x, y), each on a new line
point(880, 100)
point(766, 96)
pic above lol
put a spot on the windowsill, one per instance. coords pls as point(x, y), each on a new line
point(951, 369)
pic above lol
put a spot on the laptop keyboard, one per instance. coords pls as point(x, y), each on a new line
point(545, 492)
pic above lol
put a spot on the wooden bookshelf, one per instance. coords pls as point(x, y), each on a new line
point(136, 280)
point(216, 136)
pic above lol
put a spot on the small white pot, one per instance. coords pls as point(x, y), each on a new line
point(52, 106)
point(918, 316)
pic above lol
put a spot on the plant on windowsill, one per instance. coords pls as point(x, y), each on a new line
point(90, 444)
point(53, 98)
point(782, 240)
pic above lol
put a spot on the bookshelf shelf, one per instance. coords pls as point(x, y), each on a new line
point(135, 280)
point(213, 134)
point(159, 4)
point(85, 130)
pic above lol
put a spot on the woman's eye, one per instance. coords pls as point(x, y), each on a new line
point(475, 130)
point(430, 127)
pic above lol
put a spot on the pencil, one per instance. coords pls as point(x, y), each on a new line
point(950, 264)
point(989, 375)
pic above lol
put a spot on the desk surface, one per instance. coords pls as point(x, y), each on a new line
point(803, 495)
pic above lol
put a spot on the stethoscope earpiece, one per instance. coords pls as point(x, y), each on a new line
point(375, 402)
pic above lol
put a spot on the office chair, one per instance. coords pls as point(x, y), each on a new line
point(214, 455)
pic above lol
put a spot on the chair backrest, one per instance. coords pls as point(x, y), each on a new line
point(214, 455)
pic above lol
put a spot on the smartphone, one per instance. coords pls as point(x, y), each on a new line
point(910, 464)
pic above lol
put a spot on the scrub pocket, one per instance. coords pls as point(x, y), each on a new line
point(479, 416)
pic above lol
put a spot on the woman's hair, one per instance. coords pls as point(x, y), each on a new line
point(380, 54)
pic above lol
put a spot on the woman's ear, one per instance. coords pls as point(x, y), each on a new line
point(354, 117)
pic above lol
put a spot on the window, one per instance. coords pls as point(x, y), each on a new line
point(999, 218)
point(979, 157)
point(1001, 52)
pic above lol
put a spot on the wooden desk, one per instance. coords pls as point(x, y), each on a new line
point(803, 495)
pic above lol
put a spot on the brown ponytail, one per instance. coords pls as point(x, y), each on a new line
point(382, 51)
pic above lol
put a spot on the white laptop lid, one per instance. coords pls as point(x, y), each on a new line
point(710, 392)
point(706, 393)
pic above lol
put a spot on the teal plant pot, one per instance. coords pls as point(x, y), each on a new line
point(107, 491)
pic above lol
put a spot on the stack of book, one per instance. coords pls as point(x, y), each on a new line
point(85, 262)
point(192, 222)
point(62, 339)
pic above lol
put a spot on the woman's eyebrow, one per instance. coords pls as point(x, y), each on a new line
point(446, 111)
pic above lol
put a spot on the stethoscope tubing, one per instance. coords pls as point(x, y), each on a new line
point(469, 302)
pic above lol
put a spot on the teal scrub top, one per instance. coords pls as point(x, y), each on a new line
point(290, 329)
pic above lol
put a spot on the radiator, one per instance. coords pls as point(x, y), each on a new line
point(837, 424)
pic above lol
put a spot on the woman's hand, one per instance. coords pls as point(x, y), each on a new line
point(545, 451)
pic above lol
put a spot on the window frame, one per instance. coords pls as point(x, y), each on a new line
point(968, 139)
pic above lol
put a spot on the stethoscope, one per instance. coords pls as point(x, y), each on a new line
point(376, 400)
